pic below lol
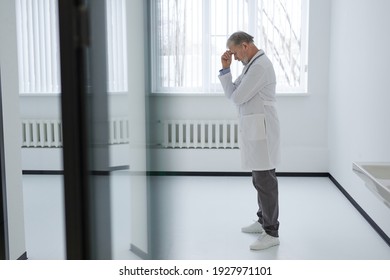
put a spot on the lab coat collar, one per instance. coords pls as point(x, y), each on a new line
point(260, 52)
point(257, 55)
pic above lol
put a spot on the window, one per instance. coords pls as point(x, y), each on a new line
point(38, 46)
point(188, 37)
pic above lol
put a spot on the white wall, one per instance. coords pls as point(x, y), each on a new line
point(11, 121)
point(303, 118)
point(48, 107)
point(359, 96)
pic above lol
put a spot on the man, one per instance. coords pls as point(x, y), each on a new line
point(254, 94)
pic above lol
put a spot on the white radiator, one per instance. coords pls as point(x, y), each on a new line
point(48, 133)
point(218, 134)
point(41, 133)
point(119, 131)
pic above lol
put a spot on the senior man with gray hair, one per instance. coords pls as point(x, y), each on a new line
point(253, 92)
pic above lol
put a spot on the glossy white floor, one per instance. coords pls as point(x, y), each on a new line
point(201, 217)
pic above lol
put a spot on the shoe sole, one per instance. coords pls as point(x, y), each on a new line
point(259, 249)
point(252, 232)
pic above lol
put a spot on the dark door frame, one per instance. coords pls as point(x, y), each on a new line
point(85, 126)
point(74, 128)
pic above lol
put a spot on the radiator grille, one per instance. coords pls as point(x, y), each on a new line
point(48, 133)
point(119, 131)
point(41, 133)
point(218, 134)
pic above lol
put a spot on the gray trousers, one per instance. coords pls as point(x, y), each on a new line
point(266, 184)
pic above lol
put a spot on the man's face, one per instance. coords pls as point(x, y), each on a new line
point(239, 52)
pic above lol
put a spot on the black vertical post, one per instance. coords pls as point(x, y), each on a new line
point(74, 127)
point(85, 128)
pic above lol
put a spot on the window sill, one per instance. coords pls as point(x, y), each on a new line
point(292, 94)
point(39, 94)
point(118, 93)
point(177, 94)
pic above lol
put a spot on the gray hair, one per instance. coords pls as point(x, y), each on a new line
point(239, 37)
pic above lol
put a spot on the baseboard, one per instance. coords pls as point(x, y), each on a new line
point(198, 173)
point(61, 172)
point(233, 174)
point(372, 223)
point(138, 252)
point(302, 174)
point(23, 257)
point(181, 173)
point(42, 172)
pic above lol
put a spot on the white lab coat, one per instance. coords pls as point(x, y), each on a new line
point(254, 94)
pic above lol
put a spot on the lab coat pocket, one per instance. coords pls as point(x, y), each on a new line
point(253, 127)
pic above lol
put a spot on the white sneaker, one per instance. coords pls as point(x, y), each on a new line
point(264, 242)
point(256, 227)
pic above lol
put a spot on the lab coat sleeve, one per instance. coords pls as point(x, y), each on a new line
point(227, 84)
point(252, 83)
